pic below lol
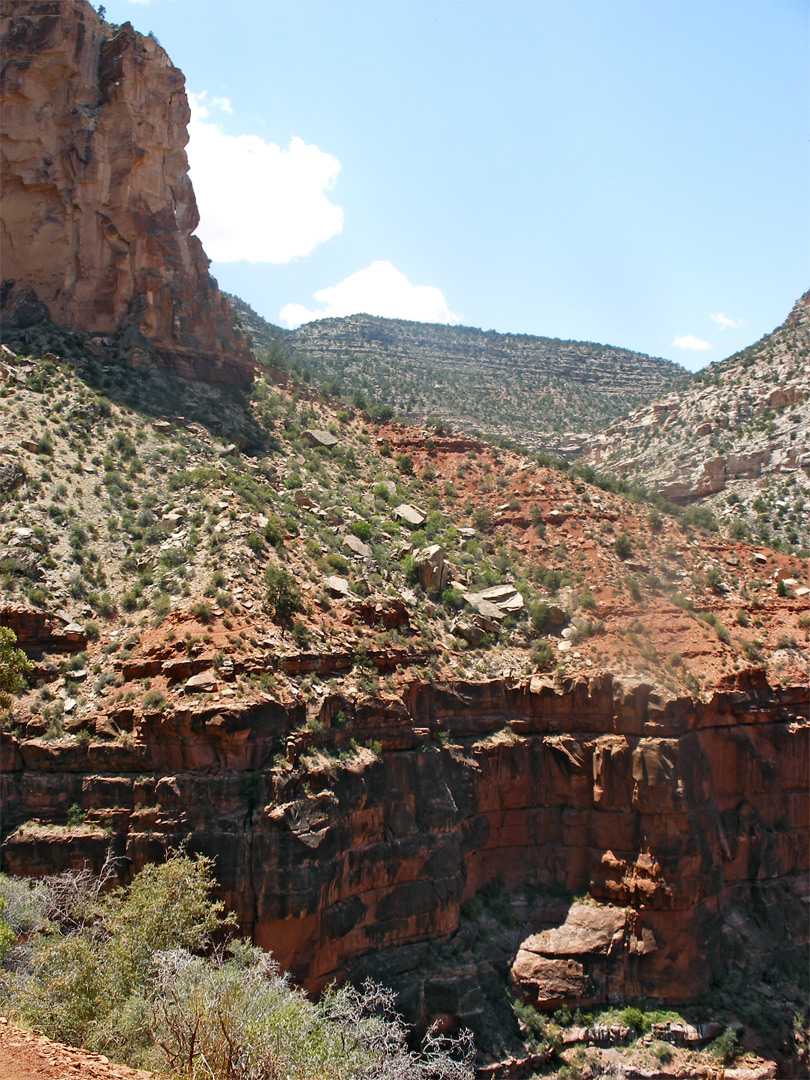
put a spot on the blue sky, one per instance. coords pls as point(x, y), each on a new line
point(629, 173)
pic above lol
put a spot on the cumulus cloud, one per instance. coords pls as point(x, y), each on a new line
point(725, 321)
point(380, 289)
point(258, 201)
point(689, 341)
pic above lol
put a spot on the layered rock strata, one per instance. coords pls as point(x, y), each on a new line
point(361, 835)
point(97, 207)
point(740, 429)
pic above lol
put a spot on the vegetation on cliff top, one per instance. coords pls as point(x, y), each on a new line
point(536, 390)
point(147, 507)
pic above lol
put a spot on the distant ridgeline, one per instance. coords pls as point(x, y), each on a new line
point(542, 392)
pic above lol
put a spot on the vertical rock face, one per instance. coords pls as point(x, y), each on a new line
point(97, 205)
point(685, 821)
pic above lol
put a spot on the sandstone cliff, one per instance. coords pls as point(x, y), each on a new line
point(689, 818)
point(97, 209)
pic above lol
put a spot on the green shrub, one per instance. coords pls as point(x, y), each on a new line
point(283, 595)
point(538, 523)
point(154, 699)
point(254, 542)
point(701, 517)
point(106, 606)
point(161, 604)
point(14, 666)
point(482, 519)
point(133, 974)
point(274, 531)
point(623, 546)
point(714, 577)
point(453, 599)
point(129, 601)
point(541, 617)
point(726, 1047)
point(634, 1018)
point(663, 1053)
point(362, 529)
point(543, 656)
point(552, 580)
point(203, 611)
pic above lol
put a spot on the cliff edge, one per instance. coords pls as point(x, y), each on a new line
point(98, 210)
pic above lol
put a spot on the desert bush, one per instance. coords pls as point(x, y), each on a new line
point(135, 973)
point(702, 517)
point(283, 595)
point(726, 1047)
point(255, 542)
point(202, 610)
point(663, 1053)
point(14, 665)
point(543, 656)
point(154, 699)
point(362, 529)
point(541, 617)
point(482, 519)
point(623, 546)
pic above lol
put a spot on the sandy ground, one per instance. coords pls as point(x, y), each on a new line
point(24, 1055)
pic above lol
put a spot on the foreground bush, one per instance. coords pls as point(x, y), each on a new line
point(136, 974)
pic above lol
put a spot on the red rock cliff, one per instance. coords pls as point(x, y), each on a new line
point(690, 818)
point(97, 206)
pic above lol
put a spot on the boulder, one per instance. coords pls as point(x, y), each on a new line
point(337, 586)
point(204, 682)
point(357, 547)
point(410, 514)
point(468, 630)
point(12, 476)
point(597, 953)
point(432, 570)
point(316, 437)
point(387, 611)
point(496, 602)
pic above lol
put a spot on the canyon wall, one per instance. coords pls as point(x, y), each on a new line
point(97, 206)
point(686, 822)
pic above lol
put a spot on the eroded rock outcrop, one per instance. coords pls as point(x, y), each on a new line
point(739, 429)
point(689, 818)
point(97, 207)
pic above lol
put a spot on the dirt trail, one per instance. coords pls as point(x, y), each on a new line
point(24, 1055)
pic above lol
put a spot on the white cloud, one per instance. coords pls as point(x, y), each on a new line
point(258, 201)
point(725, 321)
point(689, 341)
point(380, 289)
